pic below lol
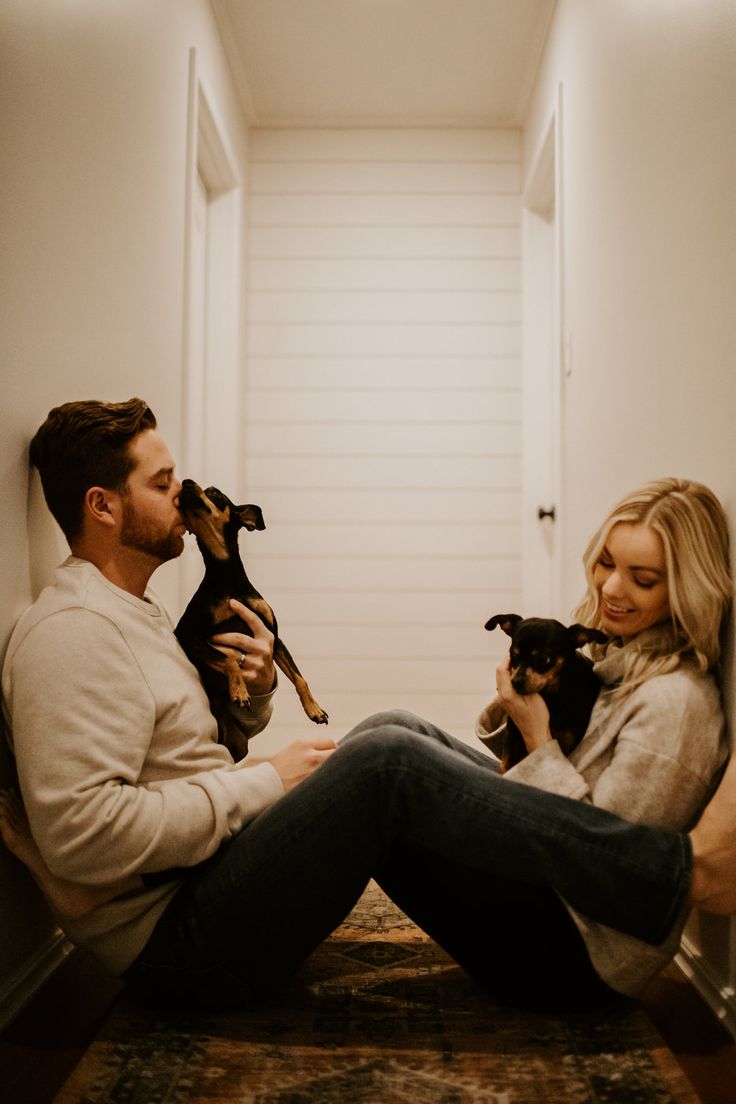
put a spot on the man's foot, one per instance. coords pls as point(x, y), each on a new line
point(713, 840)
point(67, 898)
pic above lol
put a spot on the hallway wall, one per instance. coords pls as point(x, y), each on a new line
point(92, 178)
point(649, 163)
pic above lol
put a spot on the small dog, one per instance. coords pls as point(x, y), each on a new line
point(215, 521)
point(545, 660)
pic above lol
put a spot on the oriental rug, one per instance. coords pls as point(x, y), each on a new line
point(378, 1015)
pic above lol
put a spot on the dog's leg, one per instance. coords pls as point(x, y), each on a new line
point(237, 689)
point(282, 658)
point(227, 664)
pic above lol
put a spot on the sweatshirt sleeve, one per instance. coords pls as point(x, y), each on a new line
point(667, 743)
point(83, 716)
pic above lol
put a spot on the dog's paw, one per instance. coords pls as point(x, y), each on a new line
point(242, 699)
point(317, 714)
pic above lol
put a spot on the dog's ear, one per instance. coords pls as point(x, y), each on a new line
point(251, 516)
point(507, 621)
point(582, 634)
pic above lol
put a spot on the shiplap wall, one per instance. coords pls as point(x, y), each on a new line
point(383, 399)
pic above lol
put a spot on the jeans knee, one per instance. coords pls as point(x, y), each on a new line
point(387, 745)
point(387, 718)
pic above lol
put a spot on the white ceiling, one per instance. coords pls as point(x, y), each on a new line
point(384, 62)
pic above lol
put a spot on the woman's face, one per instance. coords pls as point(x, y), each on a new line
point(631, 580)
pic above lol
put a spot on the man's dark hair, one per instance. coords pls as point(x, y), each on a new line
point(86, 444)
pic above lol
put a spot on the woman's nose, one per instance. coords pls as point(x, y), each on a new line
point(612, 585)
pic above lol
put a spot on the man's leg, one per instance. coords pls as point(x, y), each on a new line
point(245, 920)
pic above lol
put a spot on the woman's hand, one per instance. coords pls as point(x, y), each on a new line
point(528, 711)
point(257, 650)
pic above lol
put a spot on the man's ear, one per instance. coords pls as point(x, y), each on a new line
point(102, 506)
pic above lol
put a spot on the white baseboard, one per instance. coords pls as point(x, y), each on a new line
point(721, 998)
point(21, 986)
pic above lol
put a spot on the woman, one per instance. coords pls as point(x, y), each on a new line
point(515, 881)
point(658, 584)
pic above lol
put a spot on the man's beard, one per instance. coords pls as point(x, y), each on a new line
point(145, 536)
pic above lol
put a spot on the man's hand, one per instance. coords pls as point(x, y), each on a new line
point(528, 711)
point(298, 760)
point(257, 650)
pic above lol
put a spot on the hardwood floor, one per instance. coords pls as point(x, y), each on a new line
point(41, 1047)
point(43, 1044)
point(702, 1045)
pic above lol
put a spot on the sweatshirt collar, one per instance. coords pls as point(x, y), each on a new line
point(148, 604)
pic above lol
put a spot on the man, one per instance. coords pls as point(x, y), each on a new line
point(123, 780)
point(132, 752)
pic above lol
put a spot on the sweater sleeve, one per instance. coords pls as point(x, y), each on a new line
point(83, 716)
point(665, 746)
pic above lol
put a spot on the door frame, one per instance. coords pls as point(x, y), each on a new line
point(212, 336)
point(543, 367)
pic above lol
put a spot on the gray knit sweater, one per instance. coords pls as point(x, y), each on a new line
point(650, 758)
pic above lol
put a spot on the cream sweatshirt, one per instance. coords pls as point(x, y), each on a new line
point(117, 753)
point(651, 758)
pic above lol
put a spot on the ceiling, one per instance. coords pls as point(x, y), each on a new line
point(384, 62)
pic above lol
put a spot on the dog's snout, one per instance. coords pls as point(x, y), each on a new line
point(518, 679)
point(191, 498)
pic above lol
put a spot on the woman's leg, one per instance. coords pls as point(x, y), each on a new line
point(518, 940)
point(249, 916)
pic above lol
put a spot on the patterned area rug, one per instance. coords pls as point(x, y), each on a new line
point(379, 1015)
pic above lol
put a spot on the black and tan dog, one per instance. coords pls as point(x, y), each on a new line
point(544, 660)
point(215, 521)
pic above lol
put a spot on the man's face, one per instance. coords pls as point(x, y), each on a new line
point(151, 522)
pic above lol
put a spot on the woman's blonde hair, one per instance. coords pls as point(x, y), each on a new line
point(692, 525)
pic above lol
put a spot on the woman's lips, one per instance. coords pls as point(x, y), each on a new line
point(615, 611)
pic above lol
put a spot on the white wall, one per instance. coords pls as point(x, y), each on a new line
point(92, 178)
point(383, 412)
point(649, 142)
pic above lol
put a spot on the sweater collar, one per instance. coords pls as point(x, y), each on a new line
point(612, 667)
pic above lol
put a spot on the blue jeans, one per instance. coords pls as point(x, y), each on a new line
point(477, 861)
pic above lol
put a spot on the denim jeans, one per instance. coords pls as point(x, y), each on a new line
point(477, 861)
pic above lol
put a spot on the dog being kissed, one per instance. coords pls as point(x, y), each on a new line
point(215, 521)
point(544, 660)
